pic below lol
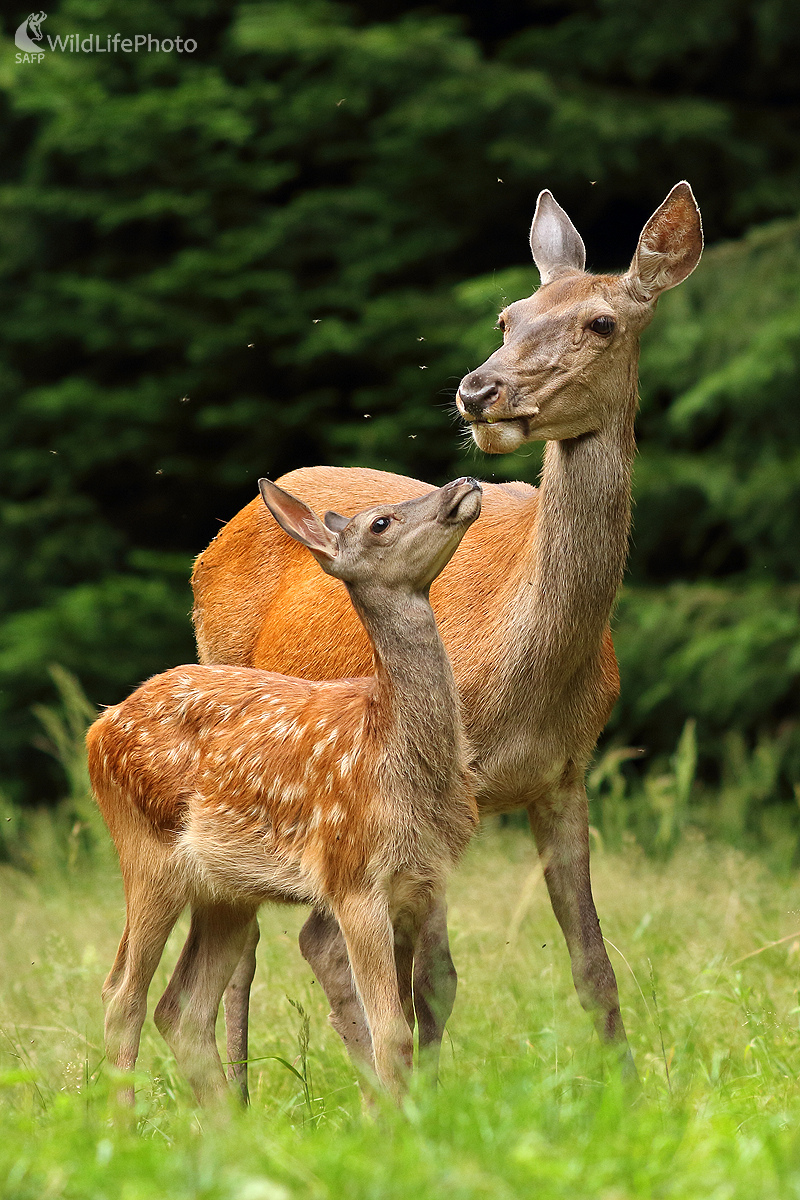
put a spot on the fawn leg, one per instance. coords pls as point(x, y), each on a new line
point(369, 936)
point(115, 975)
point(324, 949)
point(405, 936)
point(561, 829)
point(151, 914)
point(186, 1014)
point(435, 982)
point(236, 1003)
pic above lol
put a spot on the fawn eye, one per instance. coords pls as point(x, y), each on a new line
point(501, 324)
point(381, 525)
point(603, 325)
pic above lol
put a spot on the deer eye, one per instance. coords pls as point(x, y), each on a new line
point(501, 324)
point(380, 525)
point(603, 325)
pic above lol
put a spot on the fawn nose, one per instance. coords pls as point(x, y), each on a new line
point(455, 493)
point(477, 392)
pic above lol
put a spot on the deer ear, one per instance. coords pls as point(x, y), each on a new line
point(670, 245)
point(298, 520)
point(556, 245)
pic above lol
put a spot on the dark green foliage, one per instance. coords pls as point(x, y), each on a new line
point(739, 668)
point(231, 263)
point(717, 486)
point(720, 426)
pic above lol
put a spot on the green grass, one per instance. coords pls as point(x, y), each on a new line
point(527, 1105)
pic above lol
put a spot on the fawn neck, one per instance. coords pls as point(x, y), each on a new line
point(417, 714)
point(576, 553)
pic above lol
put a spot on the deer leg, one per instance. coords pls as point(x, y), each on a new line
point(404, 942)
point(369, 936)
point(187, 1012)
point(117, 972)
point(237, 1004)
point(151, 916)
point(561, 830)
point(435, 983)
point(324, 949)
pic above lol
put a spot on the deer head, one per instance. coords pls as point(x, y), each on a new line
point(397, 546)
point(34, 24)
point(569, 351)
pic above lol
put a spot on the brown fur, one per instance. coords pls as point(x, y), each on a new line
point(239, 771)
point(224, 787)
point(524, 609)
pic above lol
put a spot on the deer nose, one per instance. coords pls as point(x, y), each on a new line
point(478, 392)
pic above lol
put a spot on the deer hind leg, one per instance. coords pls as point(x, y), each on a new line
point(369, 936)
point(324, 949)
point(117, 972)
point(152, 912)
point(561, 830)
point(435, 983)
point(187, 1012)
point(236, 1002)
point(404, 943)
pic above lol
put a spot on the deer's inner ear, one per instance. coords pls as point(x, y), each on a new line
point(336, 522)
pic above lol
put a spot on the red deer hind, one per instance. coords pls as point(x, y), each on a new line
point(225, 787)
point(523, 610)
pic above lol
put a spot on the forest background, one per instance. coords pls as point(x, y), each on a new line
point(287, 247)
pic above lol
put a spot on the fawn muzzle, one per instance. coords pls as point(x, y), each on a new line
point(461, 500)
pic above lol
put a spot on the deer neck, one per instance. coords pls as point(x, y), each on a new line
point(577, 550)
point(416, 713)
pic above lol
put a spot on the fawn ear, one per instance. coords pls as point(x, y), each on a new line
point(336, 521)
point(556, 245)
point(670, 245)
point(298, 520)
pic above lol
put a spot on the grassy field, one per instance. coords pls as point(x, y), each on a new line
point(527, 1105)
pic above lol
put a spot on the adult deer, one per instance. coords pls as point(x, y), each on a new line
point(524, 610)
point(225, 787)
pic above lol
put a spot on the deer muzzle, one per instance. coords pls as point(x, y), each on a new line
point(478, 393)
point(461, 500)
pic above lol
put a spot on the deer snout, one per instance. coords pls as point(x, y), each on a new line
point(477, 393)
point(462, 499)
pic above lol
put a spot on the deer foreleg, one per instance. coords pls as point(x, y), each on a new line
point(560, 826)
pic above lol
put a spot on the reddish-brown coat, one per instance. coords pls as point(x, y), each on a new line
point(224, 787)
point(524, 612)
point(256, 592)
point(251, 756)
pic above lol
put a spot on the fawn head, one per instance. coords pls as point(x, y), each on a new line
point(400, 546)
point(570, 351)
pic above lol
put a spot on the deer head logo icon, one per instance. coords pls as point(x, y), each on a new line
point(31, 27)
